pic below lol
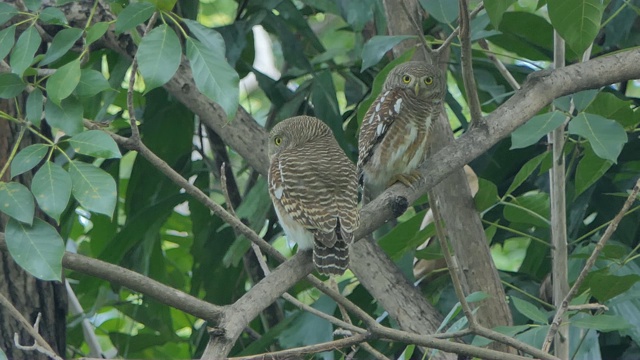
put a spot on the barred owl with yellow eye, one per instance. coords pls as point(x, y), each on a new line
point(393, 137)
point(314, 190)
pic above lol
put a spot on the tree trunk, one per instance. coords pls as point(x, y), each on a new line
point(28, 295)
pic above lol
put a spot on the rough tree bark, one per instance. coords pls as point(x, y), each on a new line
point(29, 295)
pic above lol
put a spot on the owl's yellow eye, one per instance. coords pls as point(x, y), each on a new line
point(277, 140)
point(406, 79)
point(428, 80)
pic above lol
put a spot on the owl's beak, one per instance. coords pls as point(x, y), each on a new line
point(416, 89)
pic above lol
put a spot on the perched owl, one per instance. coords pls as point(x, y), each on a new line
point(393, 136)
point(314, 189)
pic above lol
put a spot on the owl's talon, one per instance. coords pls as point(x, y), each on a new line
point(409, 180)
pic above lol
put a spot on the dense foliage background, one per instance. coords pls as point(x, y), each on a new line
point(95, 196)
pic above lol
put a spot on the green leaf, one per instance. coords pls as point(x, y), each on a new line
point(67, 117)
point(590, 169)
point(535, 128)
point(52, 188)
point(17, 202)
point(94, 189)
point(34, 106)
point(605, 136)
point(529, 310)
point(207, 36)
point(33, 5)
point(95, 32)
point(406, 236)
point(7, 39)
point(602, 323)
point(495, 10)
point(377, 46)
point(62, 83)
point(525, 171)
point(213, 76)
point(582, 99)
point(487, 195)
point(53, 15)
point(91, 83)
point(38, 249)
point(10, 85)
point(28, 158)
point(133, 15)
point(577, 21)
point(610, 106)
point(530, 208)
point(356, 13)
point(605, 286)
point(445, 11)
point(61, 44)
point(24, 51)
point(159, 56)
point(95, 143)
point(6, 13)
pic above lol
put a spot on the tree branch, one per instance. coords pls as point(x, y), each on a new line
point(466, 63)
point(557, 318)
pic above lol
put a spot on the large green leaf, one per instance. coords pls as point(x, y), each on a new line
point(62, 83)
point(28, 158)
point(612, 107)
point(487, 195)
point(530, 208)
point(159, 56)
point(525, 171)
point(406, 236)
point(590, 169)
point(95, 143)
point(213, 76)
point(10, 85)
point(445, 11)
point(34, 106)
point(605, 286)
point(67, 117)
point(61, 44)
point(133, 15)
point(92, 82)
point(602, 323)
point(6, 13)
point(52, 188)
point(17, 202)
point(605, 136)
point(95, 32)
point(577, 21)
point(535, 128)
point(377, 46)
point(529, 310)
point(24, 50)
point(37, 249)
point(207, 36)
point(94, 189)
point(53, 16)
point(356, 13)
point(7, 39)
point(495, 9)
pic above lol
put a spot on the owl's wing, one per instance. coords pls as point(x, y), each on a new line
point(380, 116)
point(301, 187)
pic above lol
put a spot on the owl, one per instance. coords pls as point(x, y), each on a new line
point(314, 189)
point(393, 137)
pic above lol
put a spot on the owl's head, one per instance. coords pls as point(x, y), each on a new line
point(296, 132)
point(422, 79)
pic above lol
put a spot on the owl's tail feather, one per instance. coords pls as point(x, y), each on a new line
point(331, 260)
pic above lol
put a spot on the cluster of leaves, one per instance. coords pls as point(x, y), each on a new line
point(330, 68)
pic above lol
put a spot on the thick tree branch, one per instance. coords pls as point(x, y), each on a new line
point(140, 283)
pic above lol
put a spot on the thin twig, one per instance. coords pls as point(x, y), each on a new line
point(311, 349)
point(455, 32)
point(499, 65)
point(466, 63)
point(418, 29)
point(557, 319)
point(40, 344)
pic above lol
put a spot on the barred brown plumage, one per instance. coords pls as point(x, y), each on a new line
point(313, 187)
point(393, 136)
